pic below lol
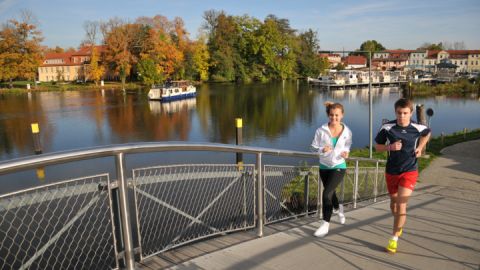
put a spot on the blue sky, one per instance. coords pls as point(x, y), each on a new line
point(341, 24)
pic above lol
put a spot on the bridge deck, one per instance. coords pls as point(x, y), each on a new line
point(442, 231)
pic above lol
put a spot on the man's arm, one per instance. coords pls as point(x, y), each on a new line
point(396, 146)
point(421, 144)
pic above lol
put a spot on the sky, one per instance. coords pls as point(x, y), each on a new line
point(341, 24)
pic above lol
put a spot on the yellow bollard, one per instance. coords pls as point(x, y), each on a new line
point(239, 141)
point(36, 138)
point(41, 173)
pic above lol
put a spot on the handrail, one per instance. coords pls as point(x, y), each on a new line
point(145, 147)
point(121, 190)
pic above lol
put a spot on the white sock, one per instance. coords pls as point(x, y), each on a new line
point(395, 238)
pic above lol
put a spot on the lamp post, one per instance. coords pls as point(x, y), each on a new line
point(370, 105)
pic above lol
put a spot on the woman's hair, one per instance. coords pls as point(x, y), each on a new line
point(331, 105)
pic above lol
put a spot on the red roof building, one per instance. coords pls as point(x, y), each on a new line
point(355, 61)
point(69, 66)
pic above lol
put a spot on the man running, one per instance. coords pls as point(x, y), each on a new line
point(404, 140)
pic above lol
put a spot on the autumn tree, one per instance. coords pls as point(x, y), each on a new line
point(197, 60)
point(118, 55)
point(95, 71)
point(20, 51)
point(160, 44)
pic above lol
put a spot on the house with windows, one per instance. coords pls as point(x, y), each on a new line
point(68, 66)
point(391, 59)
point(354, 61)
point(473, 60)
point(416, 60)
point(332, 58)
point(464, 60)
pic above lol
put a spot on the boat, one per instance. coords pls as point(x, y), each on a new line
point(172, 90)
point(326, 80)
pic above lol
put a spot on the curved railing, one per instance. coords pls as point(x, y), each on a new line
point(98, 222)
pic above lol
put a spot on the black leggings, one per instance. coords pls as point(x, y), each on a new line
point(330, 179)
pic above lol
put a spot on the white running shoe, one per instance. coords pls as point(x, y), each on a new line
point(322, 230)
point(341, 215)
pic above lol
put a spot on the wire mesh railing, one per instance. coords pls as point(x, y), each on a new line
point(66, 225)
point(286, 188)
point(92, 222)
point(183, 203)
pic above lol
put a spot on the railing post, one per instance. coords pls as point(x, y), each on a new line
point(260, 192)
point(355, 188)
point(375, 185)
point(306, 191)
point(124, 212)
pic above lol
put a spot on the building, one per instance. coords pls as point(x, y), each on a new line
point(354, 61)
point(69, 66)
point(473, 61)
point(416, 60)
point(391, 59)
point(332, 58)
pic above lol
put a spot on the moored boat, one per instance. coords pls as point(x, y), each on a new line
point(172, 90)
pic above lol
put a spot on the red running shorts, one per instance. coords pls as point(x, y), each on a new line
point(406, 180)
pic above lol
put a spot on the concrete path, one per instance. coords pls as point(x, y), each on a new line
point(442, 230)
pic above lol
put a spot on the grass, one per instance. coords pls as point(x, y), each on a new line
point(462, 86)
point(21, 86)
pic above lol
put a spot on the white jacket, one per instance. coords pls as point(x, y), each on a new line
point(323, 137)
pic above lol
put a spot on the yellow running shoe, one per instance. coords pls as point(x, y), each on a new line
point(400, 232)
point(392, 246)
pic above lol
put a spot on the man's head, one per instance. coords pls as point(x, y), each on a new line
point(403, 111)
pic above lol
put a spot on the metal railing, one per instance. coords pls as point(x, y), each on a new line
point(94, 222)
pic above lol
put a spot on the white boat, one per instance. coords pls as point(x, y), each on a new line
point(172, 90)
point(349, 76)
point(327, 80)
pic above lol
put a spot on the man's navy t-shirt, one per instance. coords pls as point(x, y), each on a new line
point(403, 160)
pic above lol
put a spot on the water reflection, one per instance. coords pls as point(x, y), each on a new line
point(274, 115)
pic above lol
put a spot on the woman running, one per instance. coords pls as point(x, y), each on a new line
point(332, 141)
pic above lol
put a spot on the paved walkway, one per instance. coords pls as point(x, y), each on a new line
point(442, 230)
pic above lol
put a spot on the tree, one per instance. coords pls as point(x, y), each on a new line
point(221, 48)
point(95, 71)
point(431, 46)
point(370, 46)
point(20, 49)
point(91, 32)
point(277, 48)
point(310, 64)
point(196, 60)
point(161, 42)
point(118, 49)
point(148, 72)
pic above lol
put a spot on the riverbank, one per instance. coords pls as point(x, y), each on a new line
point(461, 87)
point(21, 86)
